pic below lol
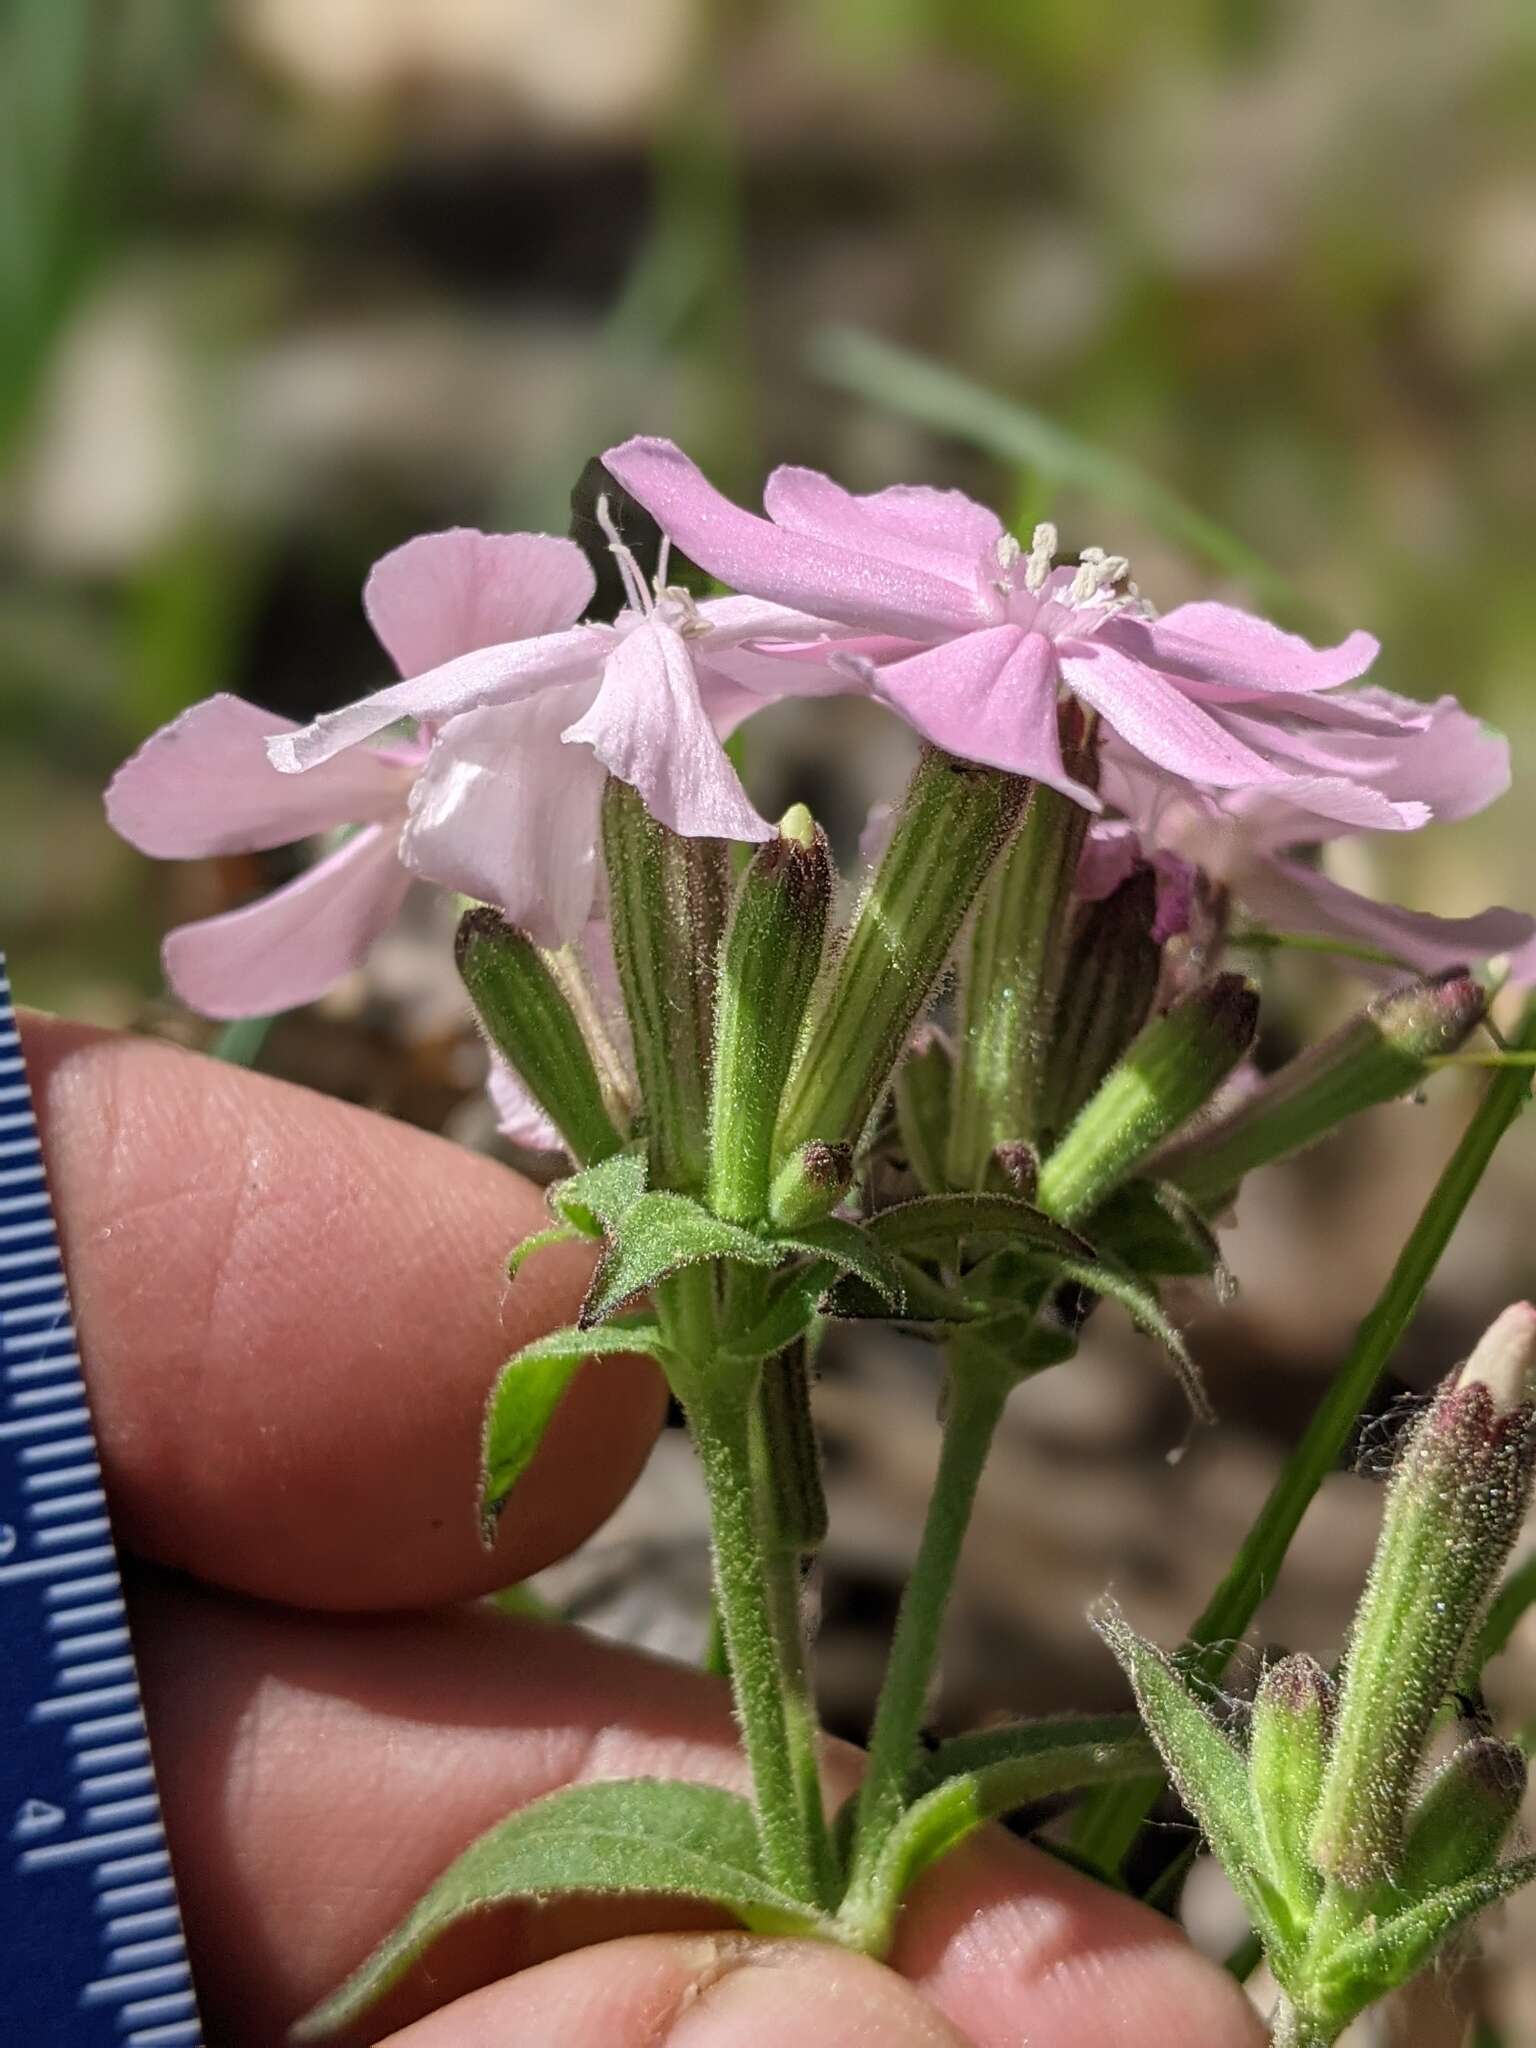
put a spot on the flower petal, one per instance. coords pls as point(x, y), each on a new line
point(445, 594)
point(806, 502)
point(491, 675)
point(290, 947)
point(1457, 765)
point(939, 519)
point(1291, 897)
point(1153, 714)
point(1111, 855)
point(507, 813)
point(203, 785)
point(832, 581)
point(1220, 644)
point(647, 726)
point(518, 1117)
point(990, 697)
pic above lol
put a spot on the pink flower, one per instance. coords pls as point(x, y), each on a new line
point(204, 785)
point(1246, 841)
point(971, 639)
point(507, 806)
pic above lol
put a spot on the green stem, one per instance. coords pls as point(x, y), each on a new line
point(976, 1401)
point(1109, 1821)
point(719, 1416)
point(1292, 2029)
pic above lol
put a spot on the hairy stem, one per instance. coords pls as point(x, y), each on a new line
point(976, 1401)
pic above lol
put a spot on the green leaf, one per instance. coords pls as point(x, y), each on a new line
point(642, 1835)
point(528, 1391)
point(1154, 1230)
point(1020, 1742)
point(1210, 1773)
point(595, 1201)
point(1143, 1306)
point(1018, 1342)
point(851, 1248)
point(541, 1240)
point(1059, 1760)
point(936, 1226)
point(658, 1234)
point(1375, 1961)
point(794, 1302)
point(922, 1091)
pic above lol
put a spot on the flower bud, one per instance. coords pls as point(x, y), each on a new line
point(1463, 1816)
point(1107, 987)
point(953, 822)
point(1287, 1752)
point(1172, 1069)
point(525, 1015)
point(1013, 972)
point(667, 899)
point(922, 1091)
point(809, 1183)
point(768, 966)
point(1454, 1508)
point(1380, 1055)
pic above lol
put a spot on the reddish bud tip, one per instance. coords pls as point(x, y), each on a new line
point(1431, 1017)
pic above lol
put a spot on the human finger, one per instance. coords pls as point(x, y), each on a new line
point(291, 1312)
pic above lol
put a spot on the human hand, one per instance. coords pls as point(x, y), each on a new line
point(290, 1320)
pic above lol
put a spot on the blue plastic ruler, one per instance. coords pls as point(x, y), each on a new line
point(91, 1947)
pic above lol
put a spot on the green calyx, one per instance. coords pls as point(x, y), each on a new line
point(1382, 1054)
point(953, 823)
point(1172, 1069)
point(525, 1014)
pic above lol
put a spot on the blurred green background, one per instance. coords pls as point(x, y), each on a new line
point(1251, 283)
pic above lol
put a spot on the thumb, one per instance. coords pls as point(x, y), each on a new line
point(691, 1991)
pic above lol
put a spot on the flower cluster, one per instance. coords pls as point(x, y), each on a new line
point(1225, 747)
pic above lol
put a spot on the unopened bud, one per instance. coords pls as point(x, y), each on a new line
point(922, 1091)
point(1382, 1054)
point(526, 1017)
point(1460, 1823)
point(951, 826)
point(1287, 1753)
point(1107, 987)
point(1172, 1069)
point(768, 967)
point(809, 1183)
point(1454, 1508)
point(1020, 1167)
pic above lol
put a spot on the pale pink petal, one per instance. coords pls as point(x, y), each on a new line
point(1457, 766)
point(506, 812)
point(733, 619)
point(445, 594)
point(1223, 645)
point(764, 560)
point(1291, 897)
point(1111, 855)
point(290, 947)
point(940, 519)
point(1158, 720)
point(491, 675)
point(990, 697)
point(519, 1118)
point(1308, 809)
point(726, 704)
point(806, 502)
point(647, 726)
point(203, 785)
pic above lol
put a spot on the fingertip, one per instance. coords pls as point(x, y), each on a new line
point(291, 1313)
point(1001, 1929)
point(691, 1991)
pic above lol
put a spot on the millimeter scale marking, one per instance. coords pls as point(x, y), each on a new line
point(91, 1946)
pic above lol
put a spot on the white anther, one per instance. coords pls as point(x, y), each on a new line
point(1008, 551)
point(1042, 553)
